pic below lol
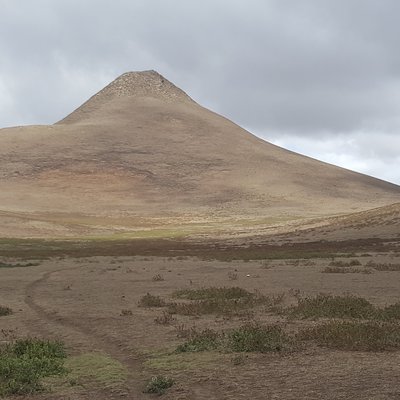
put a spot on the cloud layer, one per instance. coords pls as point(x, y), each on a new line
point(320, 77)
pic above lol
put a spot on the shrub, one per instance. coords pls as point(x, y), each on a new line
point(5, 311)
point(207, 339)
point(354, 335)
point(383, 267)
point(323, 305)
point(213, 293)
point(258, 338)
point(246, 338)
point(149, 300)
point(225, 301)
point(24, 363)
point(159, 384)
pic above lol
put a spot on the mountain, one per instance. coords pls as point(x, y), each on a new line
point(142, 153)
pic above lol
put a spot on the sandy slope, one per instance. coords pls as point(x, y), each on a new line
point(141, 149)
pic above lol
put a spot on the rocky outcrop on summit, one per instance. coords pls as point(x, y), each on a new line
point(133, 85)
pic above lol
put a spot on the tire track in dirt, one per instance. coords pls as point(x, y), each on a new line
point(133, 362)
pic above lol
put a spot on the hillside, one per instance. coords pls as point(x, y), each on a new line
point(142, 153)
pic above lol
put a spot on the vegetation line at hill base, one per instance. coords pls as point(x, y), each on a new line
point(35, 249)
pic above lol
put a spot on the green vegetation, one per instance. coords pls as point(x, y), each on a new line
point(258, 338)
point(204, 340)
point(24, 363)
point(215, 293)
point(354, 335)
point(345, 264)
point(18, 265)
point(328, 306)
point(346, 270)
point(96, 367)
point(149, 300)
point(250, 337)
point(223, 301)
point(5, 311)
point(159, 384)
point(346, 306)
point(383, 266)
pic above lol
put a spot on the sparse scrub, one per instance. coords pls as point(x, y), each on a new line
point(164, 319)
point(391, 312)
point(328, 306)
point(223, 301)
point(346, 270)
point(157, 278)
point(354, 335)
point(225, 293)
point(17, 265)
point(383, 266)
point(232, 276)
point(258, 338)
point(344, 264)
point(149, 300)
point(159, 385)
point(250, 337)
point(5, 311)
point(25, 362)
point(205, 340)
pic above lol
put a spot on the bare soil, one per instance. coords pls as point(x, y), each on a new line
point(81, 300)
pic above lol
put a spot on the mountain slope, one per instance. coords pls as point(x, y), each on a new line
point(142, 149)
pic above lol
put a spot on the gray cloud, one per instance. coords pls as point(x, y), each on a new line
point(319, 76)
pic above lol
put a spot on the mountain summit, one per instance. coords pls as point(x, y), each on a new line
point(133, 86)
point(142, 150)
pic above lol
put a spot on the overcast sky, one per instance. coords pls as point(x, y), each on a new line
point(320, 77)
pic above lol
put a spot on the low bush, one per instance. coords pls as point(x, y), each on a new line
point(24, 363)
point(354, 335)
point(250, 337)
point(383, 266)
point(159, 385)
point(5, 311)
point(258, 338)
point(328, 306)
point(149, 300)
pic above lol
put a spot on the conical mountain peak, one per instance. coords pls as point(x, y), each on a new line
point(144, 84)
point(130, 85)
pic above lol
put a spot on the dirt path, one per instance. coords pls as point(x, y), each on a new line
point(50, 321)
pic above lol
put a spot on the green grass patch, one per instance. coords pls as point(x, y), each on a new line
point(354, 335)
point(97, 368)
point(25, 363)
